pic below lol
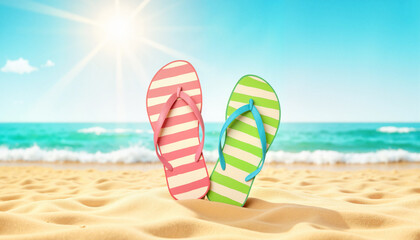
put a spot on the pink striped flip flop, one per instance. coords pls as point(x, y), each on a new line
point(174, 103)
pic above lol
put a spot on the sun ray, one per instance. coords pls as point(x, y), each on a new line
point(177, 28)
point(49, 98)
point(70, 75)
point(48, 10)
point(167, 50)
point(162, 11)
point(139, 8)
point(119, 85)
point(137, 66)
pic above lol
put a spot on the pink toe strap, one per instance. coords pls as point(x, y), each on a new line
point(162, 117)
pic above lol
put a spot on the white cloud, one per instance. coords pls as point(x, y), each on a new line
point(19, 66)
point(49, 63)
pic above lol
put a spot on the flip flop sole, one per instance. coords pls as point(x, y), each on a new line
point(242, 150)
point(179, 136)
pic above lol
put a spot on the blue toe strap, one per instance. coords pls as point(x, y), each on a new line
point(260, 126)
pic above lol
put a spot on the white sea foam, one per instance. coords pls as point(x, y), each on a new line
point(126, 155)
point(137, 154)
point(392, 129)
point(121, 130)
point(101, 130)
point(95, 130)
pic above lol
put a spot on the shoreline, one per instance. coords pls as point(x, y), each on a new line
point(210, 165)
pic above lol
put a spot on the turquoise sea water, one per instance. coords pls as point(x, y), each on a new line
point(133, 142)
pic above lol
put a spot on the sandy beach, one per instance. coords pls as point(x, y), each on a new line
point(51, 203)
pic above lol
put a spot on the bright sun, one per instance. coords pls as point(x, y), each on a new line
point(118, 29)
point(122, 30)
point(120, 26)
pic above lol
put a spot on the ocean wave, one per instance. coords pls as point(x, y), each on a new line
point(136, 154)
point(95, 130)
point(392, 129)
point(133, 154)
point(101, 130)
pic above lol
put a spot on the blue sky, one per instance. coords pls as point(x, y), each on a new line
point(327, 60)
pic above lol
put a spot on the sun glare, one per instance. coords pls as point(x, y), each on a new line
point(118, 29)
point(115, 26)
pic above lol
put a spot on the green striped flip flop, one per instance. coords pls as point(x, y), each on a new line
point(252, 120)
